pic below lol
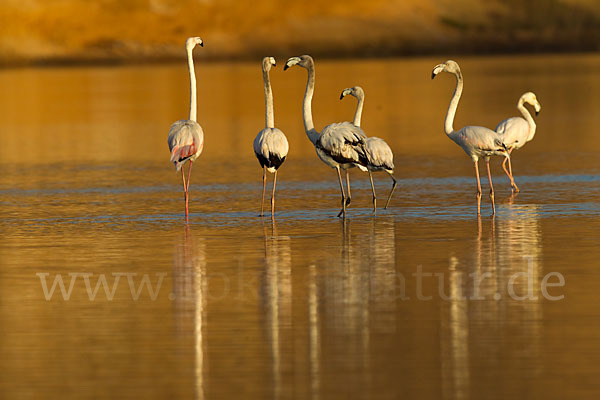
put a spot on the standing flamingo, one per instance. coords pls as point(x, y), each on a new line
point(378, 152)
point(476, 141)
point(517, 131)
point(270, 145)
point(186, 138)
point(339, 145)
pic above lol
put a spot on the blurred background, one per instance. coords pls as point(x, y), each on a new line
point(64, 31)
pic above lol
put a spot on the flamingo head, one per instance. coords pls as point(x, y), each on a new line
point(304, 61)
point(191, 42)
point(531, 98)
point(267, 63)
point(449, 66)
point(355, 91)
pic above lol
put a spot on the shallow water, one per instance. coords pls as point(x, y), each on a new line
point(425, 300)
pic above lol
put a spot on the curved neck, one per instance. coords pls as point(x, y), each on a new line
point(192, 85)
point(359, 108)
point(309, 127)
point(448, 124)
point(521, 107)
point(269, 118)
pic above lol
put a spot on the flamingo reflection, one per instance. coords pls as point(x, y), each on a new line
point(277, 291)
point(476, 314)
point(189, 269)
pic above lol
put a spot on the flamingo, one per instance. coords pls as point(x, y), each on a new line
point(378, 152)
point(339, 145)
point(270, 145)
point(476, 141)
point(186, 138)
point(517, 131)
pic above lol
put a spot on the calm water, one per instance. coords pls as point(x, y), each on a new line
point(423, 301)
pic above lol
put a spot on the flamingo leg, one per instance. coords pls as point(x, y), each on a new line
point(373, 190)
point(391, 191)
point(513, 185)
point(343, 210)
point(487, 163)
point(187, 188)
point(273, 196)
point(185, 193)
point(512, 178)
point(349, 198)
point(506, 172)
point(478, 189)
point(262, 203)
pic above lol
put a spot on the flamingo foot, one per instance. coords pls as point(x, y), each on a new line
point(343, 210)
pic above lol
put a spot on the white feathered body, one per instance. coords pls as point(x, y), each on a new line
point(379, 155)
point(342, 144)
point(478, 142)
point(515, 132)
point(186, 141)
point(271, 148)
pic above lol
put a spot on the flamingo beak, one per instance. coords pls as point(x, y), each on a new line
point(291, 62)
point(437, 69)
point(537, 113)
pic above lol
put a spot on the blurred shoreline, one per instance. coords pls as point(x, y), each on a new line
point(114, 32)
point(116, 62)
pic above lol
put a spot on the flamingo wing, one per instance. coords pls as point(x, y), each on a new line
point(271, 148)
point(514, 131)
point(480, 141)
point(344, 143)
point(186, 141)
point(379, 154)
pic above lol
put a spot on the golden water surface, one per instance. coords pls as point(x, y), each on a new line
point(425, 300)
